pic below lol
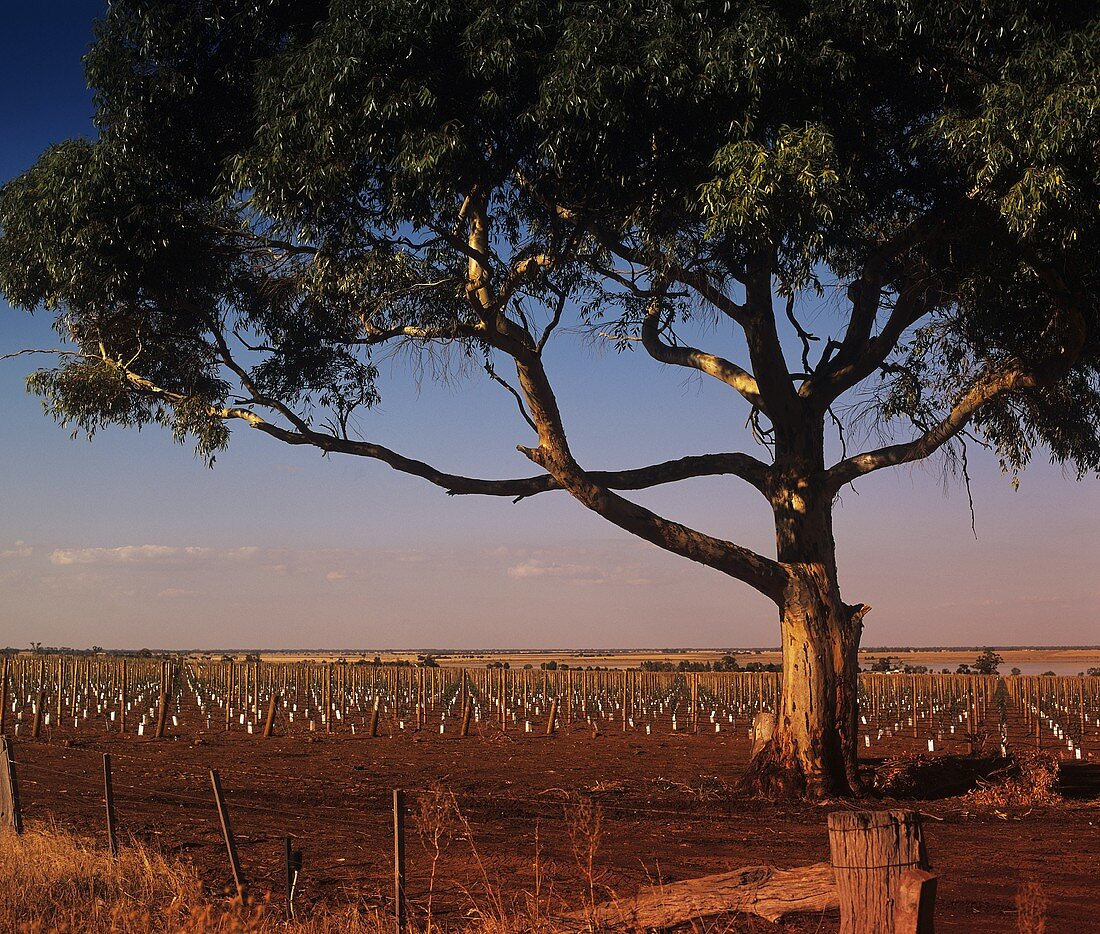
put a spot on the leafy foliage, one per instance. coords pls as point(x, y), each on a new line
point(278, 187)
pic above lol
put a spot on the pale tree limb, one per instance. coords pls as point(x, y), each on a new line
point(721, 369)
point(985, 390)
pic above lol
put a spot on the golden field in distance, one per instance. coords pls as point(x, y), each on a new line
point(1063, 661)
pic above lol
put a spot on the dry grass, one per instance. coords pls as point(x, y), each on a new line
point(57, 881)
point(54, 880)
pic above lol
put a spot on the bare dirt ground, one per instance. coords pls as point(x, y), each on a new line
point(668, 812)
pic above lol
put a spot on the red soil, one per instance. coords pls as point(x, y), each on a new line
point(668, 813)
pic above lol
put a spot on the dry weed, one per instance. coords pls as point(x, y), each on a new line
point(436, 824)
point(1031, 909)
point(584, 821)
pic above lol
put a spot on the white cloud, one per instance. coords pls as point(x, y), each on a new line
point(590, 574)
point(333, 576)
point(127, 554)
point(21, 550)
point(152, 554)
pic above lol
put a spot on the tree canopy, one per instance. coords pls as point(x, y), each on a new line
point(279, 188)
point(280, 191)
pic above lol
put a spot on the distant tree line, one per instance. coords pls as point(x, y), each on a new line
point(725, 663)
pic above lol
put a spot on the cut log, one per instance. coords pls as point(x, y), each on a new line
point(761, 890)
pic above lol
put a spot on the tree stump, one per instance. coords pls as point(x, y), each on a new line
point(763, 726)
point(871, 851)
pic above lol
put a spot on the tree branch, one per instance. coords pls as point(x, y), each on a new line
point(511, 390)
point(765, 350)
point(845, 372)
point(718, 367)
point(554, 455)
point(994, 384)
point(859, 353)
point(744, 466)
point(865, 293)
point(698, 281)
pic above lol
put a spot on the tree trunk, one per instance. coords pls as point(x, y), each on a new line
point(814, 749)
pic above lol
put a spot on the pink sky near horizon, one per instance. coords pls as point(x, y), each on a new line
point(284, 562)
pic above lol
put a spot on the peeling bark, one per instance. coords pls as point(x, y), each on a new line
point(815, 746)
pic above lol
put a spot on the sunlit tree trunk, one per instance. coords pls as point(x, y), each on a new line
point(814, 748)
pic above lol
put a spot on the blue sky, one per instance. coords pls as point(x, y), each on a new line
point(130, 541)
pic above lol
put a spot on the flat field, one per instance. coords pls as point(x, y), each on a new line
point(1031, 661)
point(666, 809)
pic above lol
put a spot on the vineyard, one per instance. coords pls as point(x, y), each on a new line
point(535, 790)
point(66, 696)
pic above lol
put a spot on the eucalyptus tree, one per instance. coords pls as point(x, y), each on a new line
point(281, 190)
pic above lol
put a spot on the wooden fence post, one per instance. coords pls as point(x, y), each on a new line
point(229, 695)
point(550, 728)
point(871, 851)
point(467, 712)
point(269, 723)
point(419, 698)
point(162, 715)
point(328, 696)
point(109, 801)
point(399, 860)
point(122, 699)
point(36, 723)
point(11, 814)
point(227, 833)
point(4, 695)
